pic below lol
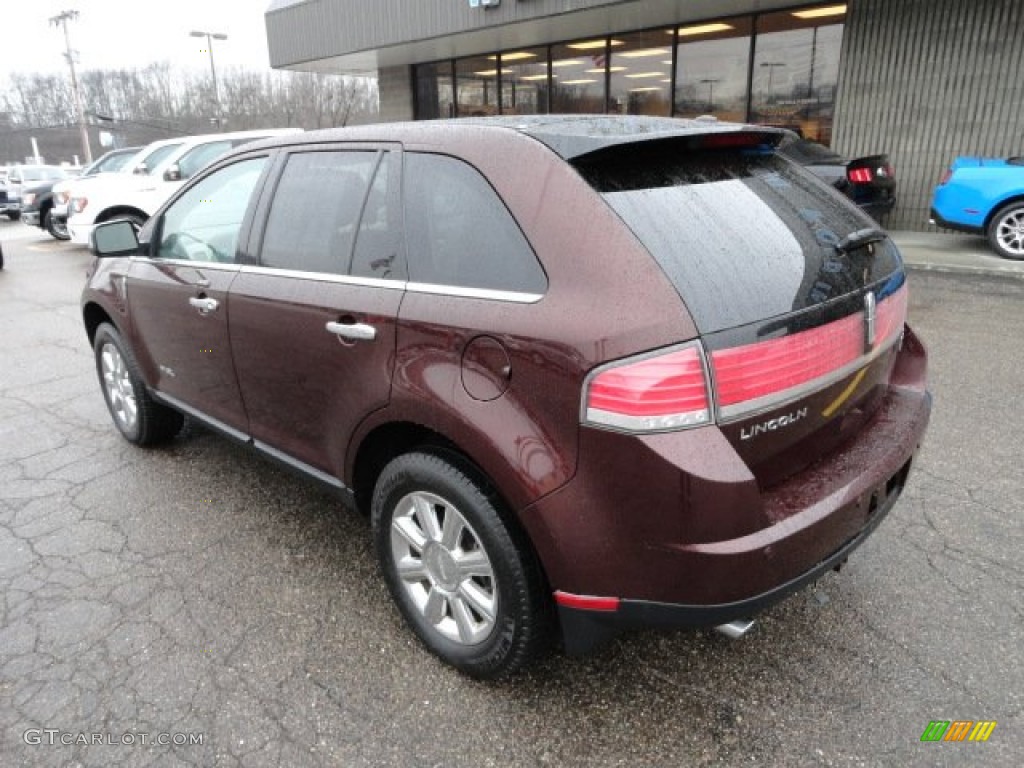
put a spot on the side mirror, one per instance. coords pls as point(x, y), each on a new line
point(141, 169)
point(173, 173)
point(114, 238)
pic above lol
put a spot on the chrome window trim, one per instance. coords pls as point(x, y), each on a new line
point(728, 414)
point(219, 266)
point(324, 277)
point(414, 287)
point(489, 294)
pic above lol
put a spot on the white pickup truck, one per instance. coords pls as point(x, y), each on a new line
point(161, 168)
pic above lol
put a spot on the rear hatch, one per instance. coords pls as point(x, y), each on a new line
point(799, 300)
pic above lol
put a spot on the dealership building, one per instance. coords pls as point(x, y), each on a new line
point(922, 80)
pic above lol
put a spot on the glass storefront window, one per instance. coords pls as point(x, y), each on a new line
point(524, 82)
point(434, 94)
point(796, 70)
point(641, 74)
point(712, 68)
point(578, 76)
point(477, 83)
point(791, 81)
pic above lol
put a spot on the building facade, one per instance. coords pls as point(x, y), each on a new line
point(923, 80)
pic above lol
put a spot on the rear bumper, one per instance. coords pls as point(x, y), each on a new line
point(646, 547)
point(937, 219)
point(880, 207)
point(585, 630)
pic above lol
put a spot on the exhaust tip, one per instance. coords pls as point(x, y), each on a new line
point(734, 630)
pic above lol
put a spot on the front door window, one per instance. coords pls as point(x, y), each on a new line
point(203, 224)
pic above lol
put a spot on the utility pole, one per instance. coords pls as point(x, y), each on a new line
point(210, 37)
point(61, 20)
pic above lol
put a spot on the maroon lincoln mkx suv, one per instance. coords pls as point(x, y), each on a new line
point(584, 373)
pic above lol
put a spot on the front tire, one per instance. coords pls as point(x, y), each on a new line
point(57, 229)
point(14, 215)
point(464, 580)
point(1006, 231)
point(137, 416)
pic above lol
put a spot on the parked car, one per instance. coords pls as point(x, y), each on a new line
point(48, 206)
point(869, 181)
point(20, 176)
point(568, 383)
point(155, 177)
point(984, 196)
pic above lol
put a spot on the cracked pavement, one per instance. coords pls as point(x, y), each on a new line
point(197, 589)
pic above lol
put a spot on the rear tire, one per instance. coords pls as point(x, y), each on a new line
point(1006, 231)
point(466, 583)
point(137, 416)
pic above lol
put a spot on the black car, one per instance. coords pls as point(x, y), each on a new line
point(41, 205)
point(869, 181)
point(36, 209)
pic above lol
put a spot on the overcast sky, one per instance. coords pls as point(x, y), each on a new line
point(132, 33)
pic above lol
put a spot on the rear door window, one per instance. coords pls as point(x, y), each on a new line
point(378, 240)
point(315, 214)
point(459, 232)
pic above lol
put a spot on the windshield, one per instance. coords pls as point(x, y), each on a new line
point(41, 174)
point(111, 162)
point(158, 155)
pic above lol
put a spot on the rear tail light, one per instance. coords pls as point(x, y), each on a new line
point(78, 204)
point(767, 368)
point(655, 392)
point(860, 175)
point(776, 371)
point(670, 390)
point(946, 177)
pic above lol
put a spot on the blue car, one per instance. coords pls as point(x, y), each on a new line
point(984, 196)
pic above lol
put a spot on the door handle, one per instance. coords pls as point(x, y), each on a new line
point(205, 305)
point(353, 331)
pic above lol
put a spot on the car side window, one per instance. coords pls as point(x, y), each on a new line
point(376, 252)
point(459, 232)
point(204, 223)
point(314, 216)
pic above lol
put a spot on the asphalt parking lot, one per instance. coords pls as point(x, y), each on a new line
point(196, 591)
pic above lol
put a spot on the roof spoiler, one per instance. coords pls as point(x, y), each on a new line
point(572, 144)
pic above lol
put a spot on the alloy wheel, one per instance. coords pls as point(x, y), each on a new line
point(118, 384)
point(444, 568)
point(1010, 232)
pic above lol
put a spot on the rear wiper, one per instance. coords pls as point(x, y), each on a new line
point(860, 238)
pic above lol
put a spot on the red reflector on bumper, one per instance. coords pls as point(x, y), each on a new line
point(586, 602)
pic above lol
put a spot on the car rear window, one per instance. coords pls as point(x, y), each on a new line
point(743, 234)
